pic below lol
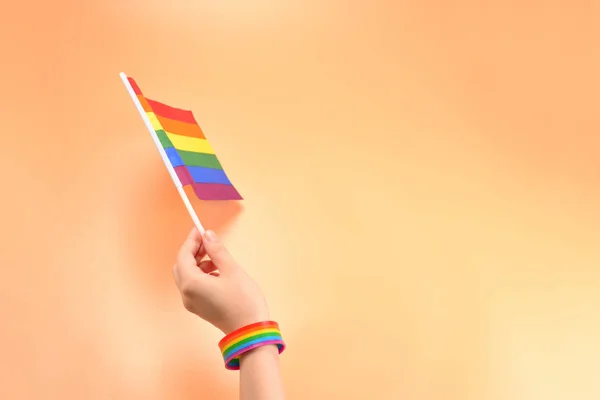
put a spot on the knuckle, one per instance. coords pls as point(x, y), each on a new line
point(188, 295)
point(188, 289)
point(188, 303)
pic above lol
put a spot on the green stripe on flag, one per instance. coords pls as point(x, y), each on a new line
point(192, 159)
point(164, 140)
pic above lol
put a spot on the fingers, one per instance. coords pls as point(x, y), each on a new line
point(189, 260)
point(200, 255)
point(186, 266)
point(207, 266)
point(218, 253)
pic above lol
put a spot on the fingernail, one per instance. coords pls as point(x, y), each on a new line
point(210, 236)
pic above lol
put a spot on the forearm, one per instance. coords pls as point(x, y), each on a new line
point(260, 375)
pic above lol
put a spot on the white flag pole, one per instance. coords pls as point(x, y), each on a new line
point(163, 154)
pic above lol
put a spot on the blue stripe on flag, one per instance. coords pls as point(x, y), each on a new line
point(174, 157)
point(208, 175)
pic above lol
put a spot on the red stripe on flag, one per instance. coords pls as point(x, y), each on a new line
point(166, 111)
point(135, 86)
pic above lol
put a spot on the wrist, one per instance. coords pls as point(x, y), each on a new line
point(245, 320)
point(268, 351)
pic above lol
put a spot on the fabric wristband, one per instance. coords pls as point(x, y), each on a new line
point(247, 338)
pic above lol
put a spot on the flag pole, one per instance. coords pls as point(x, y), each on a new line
point(163, 154)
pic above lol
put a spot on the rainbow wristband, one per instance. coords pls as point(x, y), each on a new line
point(247, 338)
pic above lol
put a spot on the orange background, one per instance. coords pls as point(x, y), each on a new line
point(422, 181)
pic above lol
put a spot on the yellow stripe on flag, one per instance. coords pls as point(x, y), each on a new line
point(187, 143)
point(154, 121)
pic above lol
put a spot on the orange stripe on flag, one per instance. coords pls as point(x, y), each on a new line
point(181, 128)
point(144, 103)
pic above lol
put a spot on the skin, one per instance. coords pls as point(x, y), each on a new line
point(220, 292)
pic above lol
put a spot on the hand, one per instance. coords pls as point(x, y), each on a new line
point(217, 290)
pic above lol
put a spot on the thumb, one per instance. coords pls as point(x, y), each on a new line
point(217, 252)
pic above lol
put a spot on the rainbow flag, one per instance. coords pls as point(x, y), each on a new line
point(188, 151)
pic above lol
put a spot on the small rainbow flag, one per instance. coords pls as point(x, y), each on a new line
point(187, 151)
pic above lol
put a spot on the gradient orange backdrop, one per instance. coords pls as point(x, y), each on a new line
point(422, 181)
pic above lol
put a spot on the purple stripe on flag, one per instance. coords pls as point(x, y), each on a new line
point(207, 191)
point(215, 191)
point(184, 175)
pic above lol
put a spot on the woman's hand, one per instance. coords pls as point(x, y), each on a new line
point(217, 290)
